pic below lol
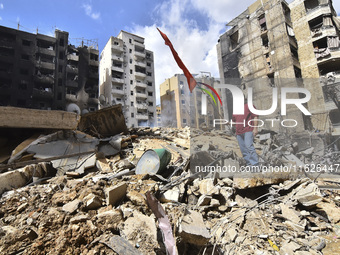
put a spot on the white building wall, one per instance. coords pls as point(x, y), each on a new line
point(133, 83)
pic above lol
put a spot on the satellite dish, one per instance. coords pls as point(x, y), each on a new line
point(73, 108)
point(84, 111)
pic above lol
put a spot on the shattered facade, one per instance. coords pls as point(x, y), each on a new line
point(43, 72)
point(317, 30)
point(271, 45)
point(182, 108)
point(127, 78)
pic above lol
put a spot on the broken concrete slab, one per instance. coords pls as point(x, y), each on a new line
point(33, 118)
point(21, 177)
point(140, 230)
point(63, 143)
point(170, 196)
point(290, 213)
point(93, 202)
point(71, 207)
point(115, 194)
point(193, 230)
point(79, 218)
point(309, 195)
point(331, 210)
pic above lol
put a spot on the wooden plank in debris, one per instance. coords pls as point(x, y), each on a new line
point(15, 117)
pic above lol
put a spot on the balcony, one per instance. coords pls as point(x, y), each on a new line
point(142, 116)
point(141, 95)
point(46, 65)
point(7, 43)
point(117, 69)
point(46, 51)
point(327, 55)
point(318, 11)
point(94, 63)
point(118, 58)
point(139, 44)
point(72, 57)
point(46, 93)
point(141, 64)
point(71, 69)
point(46, 79)
point(322, 32)
point(71, 98)
point(117, 48)
point(117, 81)
point(140, 75)
point(117, 92)
point(72, 83)
point(141, 106)
point(140, 54)
point(141, 84)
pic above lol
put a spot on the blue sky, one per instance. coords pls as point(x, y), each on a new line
point(193, 26)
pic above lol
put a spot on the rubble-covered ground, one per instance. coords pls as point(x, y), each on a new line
point(106, 209)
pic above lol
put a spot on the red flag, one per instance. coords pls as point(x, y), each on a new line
point(191, 81)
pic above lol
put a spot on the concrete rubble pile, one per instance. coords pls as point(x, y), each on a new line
point(93, 202)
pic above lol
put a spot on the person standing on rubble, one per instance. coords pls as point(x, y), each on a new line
point(245, 134)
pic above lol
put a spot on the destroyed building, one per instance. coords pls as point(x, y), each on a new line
point(274, 45)
point(181, 108)
point(127, 77)
point(43, 72)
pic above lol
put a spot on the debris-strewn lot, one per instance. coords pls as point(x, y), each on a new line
point(88, 199)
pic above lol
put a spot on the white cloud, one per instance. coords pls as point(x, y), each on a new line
point(89, 12)
point(1, 6)
point(0, 18)
point(195, 46)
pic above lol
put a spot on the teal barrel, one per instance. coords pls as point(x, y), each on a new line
point(153, 161)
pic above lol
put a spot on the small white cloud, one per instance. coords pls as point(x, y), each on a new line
point(1, 6)
point(89, 12)
point(0, 18)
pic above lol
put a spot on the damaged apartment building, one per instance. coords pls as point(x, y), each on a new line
point(43, 72)
point(274, 44)
point(180, 108)
point(127, 78)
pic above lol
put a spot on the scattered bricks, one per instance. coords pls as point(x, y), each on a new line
point(79, 218)
point(309, 195)
point(93, 202)
point(137, 198)
point(232, 233)
point(193, 230)
point(206, 187)
point(115, 194)
point(140, 230)
point(71, 207)
point(170, 196)
point(111, 217)
point(289, 213)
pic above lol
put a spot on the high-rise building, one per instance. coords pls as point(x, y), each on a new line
point(44, 72)
point(274, 44)
point(317, 30)
point(127, 78)
point(182, 108)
